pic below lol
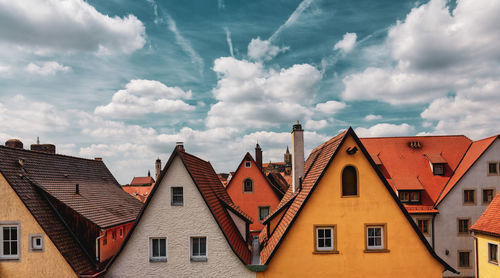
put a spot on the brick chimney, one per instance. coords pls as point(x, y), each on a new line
point(157, 168)
point(297, 155)
point(258, 156)
point(14, 143)
point(46, 148)
point(179, 146)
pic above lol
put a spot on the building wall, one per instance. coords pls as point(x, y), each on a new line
point(112, 245)
point(427, 217)
point(262, 195)
point(407, 256)
point(486, 269)
point(47, 263)
point(178, 224)
point(452, 208)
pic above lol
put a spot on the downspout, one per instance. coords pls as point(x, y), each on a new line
point(433, 216)
point(97, 249)
point(477, 255)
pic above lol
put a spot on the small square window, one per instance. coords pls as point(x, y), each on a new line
point(374, 237)
point(463, 226)
point(198, 249)
point(438, 169)
point(469, 197)
point(404, 196)
point(423, 225)
point(325, 239)
point(487, 196)
point(248, 164)
point(415, 196)
point(492, 253)
point(9, 241)
point(263, 212)
point(464, 259)
point(177, 196)
point(158, 249)
point(492, 168)
point(36, 242)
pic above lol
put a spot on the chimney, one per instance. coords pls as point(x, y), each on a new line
point(149, 173)
point(46, 148)
point(297, 155)
point(157, 168)
point(258, 156)
point(179, 146)
point(14, 143)
point(98, 158)
point(77, 189)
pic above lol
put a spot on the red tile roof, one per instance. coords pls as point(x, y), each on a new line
point(407, 183)
point(215, 196)
point(404, 162)
point(435, 158)
point(142, 181)
point(475, 151)
point(35, 176)
point(315, 166)
point(489, 222)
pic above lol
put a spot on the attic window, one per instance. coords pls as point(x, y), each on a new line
point(410, 196)
point(248, 164)
point(247, 186)
point(438, 169)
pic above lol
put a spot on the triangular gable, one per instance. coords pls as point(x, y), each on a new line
point(212, 195)
point(475, 151)
point(315, 167)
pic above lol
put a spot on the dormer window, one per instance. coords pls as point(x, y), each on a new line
point(410, 196)
point(438, 169)
point(437, 163)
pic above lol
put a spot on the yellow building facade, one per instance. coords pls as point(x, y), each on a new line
point(352, 221)
point(45, 263)
point(486, 266)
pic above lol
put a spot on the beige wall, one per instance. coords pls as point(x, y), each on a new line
point(178, 223)
point(48, 263)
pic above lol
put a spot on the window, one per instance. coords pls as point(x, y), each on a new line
point(325, 238)
point(415, 196)
point(423, 225)
point(375, 236)
point(492, 168)
point(36, 242)
point(247, 186)
point(404, 196)
point(248, 164)
point(349, 181)
point(158, 249)
point(177, 196)
point(463, 258)
point(9, 241)
point(487, 196)
point(263, 212)
point(469, 197)
point(438, 169)
point(198, 249)
point(121, 232)
point(492, 253)
point(463, 226)
point(105, 240)
point(113, 235)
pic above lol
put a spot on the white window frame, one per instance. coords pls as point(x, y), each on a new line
point(18, 226)
point(368, 238)
point(172, 203)
point(34, 247)
point(158, 258)
point(248, 164)
point(200, 258)
point(332, 237)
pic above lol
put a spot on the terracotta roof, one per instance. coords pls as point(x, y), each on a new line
point(142, 181)
point(279, 182)
point(400, 159)
point(489, 222)
point(407, 183)
point(475, 151)
point(435, 158)
point(315, 166)
point(214, 195)
point(418, 209)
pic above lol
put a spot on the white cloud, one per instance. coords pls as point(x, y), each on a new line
point(384, 129)
point(185, 44)
point(46, 68)
point(372, 117)
point(4, 69)
point(330, 107)
point(316, 125)
point(347, 43)
point(263, 49)
point(229, 42)
point(72, 25)
point(141, 97)
point(292, 19)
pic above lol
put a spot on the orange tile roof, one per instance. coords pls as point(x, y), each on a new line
point(435, 158)
point(475, 151)
point(142, 181)
point(315, 166)
point(407, 183)
point(400, 160)
point(489, 222)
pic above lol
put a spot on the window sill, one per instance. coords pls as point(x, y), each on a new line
point(326, 252)
point(10, 259)
point(349, 196)
point(177, 204)
point(377, 251)
point(463, 234)
point(199, 259)
point(157, 260)
point(493, 262)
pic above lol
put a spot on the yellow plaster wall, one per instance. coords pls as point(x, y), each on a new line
point(49, 263)
point(486, 269)
point(407, 256)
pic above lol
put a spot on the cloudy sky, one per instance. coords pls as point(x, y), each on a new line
point(126, 79)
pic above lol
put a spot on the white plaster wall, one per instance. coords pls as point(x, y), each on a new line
point(178, 223)
point(452, 208)
point(240, 224)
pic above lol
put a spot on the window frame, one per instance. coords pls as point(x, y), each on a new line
point(268, 212)
point(467, 233)
point(4, 257)
point(325, 250)
point(113, 235)
point(377, 249)
point(32, 246)
point(495, 262)
point(427, 221)
point(199, 258)
point(436, 166)
point(248, 164)
point(155, 259)
point(244, 185)
point(459, 260)
point(342, 195)
point(496, 168)
point(177, 203)
point(464, 194)
point(492, 195)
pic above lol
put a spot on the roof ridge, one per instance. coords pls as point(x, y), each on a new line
point(416, 136)
point(51, 154)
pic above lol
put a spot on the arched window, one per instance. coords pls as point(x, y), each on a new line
point(349, 181)
point(247, 185)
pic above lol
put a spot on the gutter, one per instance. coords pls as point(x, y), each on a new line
point(97, 249)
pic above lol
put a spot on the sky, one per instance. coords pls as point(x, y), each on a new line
point(126, 79)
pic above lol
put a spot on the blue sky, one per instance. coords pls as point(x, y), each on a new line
point(124, 80)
